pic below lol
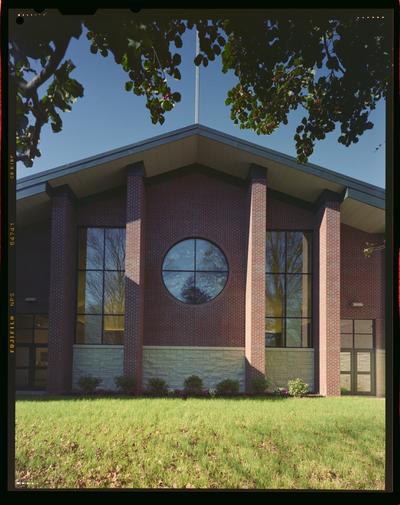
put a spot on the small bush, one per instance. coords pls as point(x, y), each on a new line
point(344, 391)
point(193, 385)
point(125, 383)
point(88, 384)
point(297, 387)
point(157, 387)
point(212, 392)
point(228, 387)
point(259, 385)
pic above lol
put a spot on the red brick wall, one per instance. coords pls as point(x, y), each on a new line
point(328, 222)
point(286, 215)
point(33, 267)
point(255, 276)
point(134, 274)
point(195, 204)
point(61, 291)
point(362, 279)
point(104, 209)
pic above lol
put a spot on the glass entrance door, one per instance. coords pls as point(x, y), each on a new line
point(31, 352)
point(357, 371)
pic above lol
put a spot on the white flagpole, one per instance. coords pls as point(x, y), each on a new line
point(197, 89)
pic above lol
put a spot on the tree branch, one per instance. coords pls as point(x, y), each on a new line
point(49, 69)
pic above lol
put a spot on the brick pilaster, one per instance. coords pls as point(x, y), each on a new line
point(62, 290)
point(134, 273)
point(328, 227)
point(255, 277)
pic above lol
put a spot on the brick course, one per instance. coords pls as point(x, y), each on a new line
point(255, 280)
point(62, 291)
point(134, 273)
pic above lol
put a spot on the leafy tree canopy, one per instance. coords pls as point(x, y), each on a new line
point(335, 69)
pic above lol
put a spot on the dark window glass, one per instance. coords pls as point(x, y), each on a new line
point(114, 292)
point(101, 286)
point(88, 329)
point(274, 295)
point(91, 248)
point(195, 271)
point(346, 340)
point(41, 321)
point(298, 295)
point(22, 378)
point(363, 326)
point(24, 321)
point(90, 292)
point(346, 326)
point(114, 249)
point(181, 285)
point(298, 249)
point(274, 332)
point(180, 257)
point(23, 336)
point(113, 330)
point(22, 356)
point(41, 336)
point(209, 257)
point(288, 284)
point(275, 252)
point(209, 285)
point(359, 333)
point(298, 332)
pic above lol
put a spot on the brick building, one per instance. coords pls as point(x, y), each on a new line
point(196, 252)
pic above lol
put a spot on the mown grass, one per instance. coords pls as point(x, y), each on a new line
point(307, 443)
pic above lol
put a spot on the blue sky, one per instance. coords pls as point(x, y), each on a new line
point(108, 117)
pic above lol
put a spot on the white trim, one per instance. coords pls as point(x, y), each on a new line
point(193, 348)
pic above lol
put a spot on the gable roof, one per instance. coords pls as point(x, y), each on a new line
point(363, 204)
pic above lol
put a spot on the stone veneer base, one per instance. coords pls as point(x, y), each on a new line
point(281, 365)
point(213, 364)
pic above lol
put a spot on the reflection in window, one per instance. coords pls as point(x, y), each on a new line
point(101, 286)
point(195, 271)
point(288, 289)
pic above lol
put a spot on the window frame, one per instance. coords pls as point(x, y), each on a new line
point(310, 275)
point(101, 314)
point(354, 357)
point(226, 272)
point(32, 346)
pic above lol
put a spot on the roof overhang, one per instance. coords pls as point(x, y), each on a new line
point(363, 205)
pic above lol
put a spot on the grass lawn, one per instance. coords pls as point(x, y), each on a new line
point(307, 443)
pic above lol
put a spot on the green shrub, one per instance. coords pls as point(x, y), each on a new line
point(88, 384)
point(126, 383)
point(193, 385)
point(228, 387)
point(344, 391)
point(157, 387)
point(259, 385)
point(297, 387)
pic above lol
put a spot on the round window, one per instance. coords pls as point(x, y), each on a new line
point(195, 271)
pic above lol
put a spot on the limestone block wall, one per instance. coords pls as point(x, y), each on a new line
point(174, 364)
point(105, 362)
point(380, 372)
point(281, 365)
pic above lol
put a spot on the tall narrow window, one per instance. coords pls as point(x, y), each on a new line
point(288, 289)
point(101, 286)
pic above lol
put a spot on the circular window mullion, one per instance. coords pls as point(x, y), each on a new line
point(188, 288)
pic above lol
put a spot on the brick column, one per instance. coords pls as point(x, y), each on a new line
point(134, 273)
point(328, 226)
point(255, 278)
point(62, 290)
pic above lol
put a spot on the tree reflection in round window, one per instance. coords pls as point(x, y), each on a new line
point(195, 271)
